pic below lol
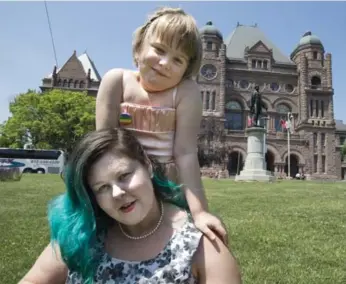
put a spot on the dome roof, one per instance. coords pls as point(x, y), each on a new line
point(309, 38)
point(210, 29)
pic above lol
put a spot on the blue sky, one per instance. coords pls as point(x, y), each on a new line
point(105, 30)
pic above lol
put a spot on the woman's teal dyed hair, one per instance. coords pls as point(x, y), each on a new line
point(75, 218)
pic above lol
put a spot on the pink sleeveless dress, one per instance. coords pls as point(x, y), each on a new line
point(154, 127)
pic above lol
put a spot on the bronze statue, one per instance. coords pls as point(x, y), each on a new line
point(256, 106)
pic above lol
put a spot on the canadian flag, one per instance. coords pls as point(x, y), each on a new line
point(285, 124)
point(250, 121)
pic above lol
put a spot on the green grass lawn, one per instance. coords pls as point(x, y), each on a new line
point(284, 232)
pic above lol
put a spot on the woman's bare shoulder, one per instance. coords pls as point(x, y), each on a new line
point(214, 263)
point(48, 268)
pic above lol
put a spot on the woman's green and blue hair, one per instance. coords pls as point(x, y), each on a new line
point(75, 218)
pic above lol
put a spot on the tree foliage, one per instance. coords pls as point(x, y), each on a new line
point(52, 120)
point(3, 141)
point(212, 154)
point(211, 147)
point(343, 151)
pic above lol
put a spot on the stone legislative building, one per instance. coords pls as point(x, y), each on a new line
point(300, 84)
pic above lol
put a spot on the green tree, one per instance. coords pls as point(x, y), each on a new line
point(343, 151)
point(54, 119)
point(3, 140)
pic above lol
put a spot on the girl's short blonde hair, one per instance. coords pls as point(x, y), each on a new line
point(175, 28)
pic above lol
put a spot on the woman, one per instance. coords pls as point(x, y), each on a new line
point(119, 222)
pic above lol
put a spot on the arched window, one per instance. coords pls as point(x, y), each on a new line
point(81, 84)
point(234, 116)
point(315, 55)
point(315, 82)
point(70, 83)
point(76, 84)
point(64, 83)
point(207, 100)
point(282, 111)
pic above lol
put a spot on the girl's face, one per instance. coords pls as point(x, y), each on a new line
point(161, 67)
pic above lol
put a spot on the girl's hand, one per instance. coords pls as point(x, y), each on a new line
point(210, 225)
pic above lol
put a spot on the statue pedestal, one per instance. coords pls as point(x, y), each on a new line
point(255, 164)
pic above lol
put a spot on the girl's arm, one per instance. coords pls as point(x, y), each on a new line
point(108, 99)
point(48, 268)
point(188, 122)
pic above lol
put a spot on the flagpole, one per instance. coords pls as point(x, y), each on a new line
point(265, 120)
point(289, 153)
point(264, 138)
point(288, 127)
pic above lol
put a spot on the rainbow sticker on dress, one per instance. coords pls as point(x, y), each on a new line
point(125, 118)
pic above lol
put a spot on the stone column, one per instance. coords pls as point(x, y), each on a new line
point(328, 67)
point(222, 59)
point(319, 153)
point(303, 83)
point(331, 109)
point(329, 79)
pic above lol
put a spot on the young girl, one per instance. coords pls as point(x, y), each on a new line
point(161, 104)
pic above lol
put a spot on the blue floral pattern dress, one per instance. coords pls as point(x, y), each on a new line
point(173, 265)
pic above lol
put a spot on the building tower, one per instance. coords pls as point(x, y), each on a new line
point(211, 80)
point(315, 106)
point(212, 73)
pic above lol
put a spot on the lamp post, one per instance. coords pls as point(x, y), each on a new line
point(288, 127)
point(265, 121)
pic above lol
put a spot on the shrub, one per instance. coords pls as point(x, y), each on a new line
point(10, 174)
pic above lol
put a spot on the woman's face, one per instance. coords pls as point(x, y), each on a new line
point(122, 187)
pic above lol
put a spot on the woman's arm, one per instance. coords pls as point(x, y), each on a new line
point(48, 268)
point(214, 264)
point(188, 123)
point(108, 99)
